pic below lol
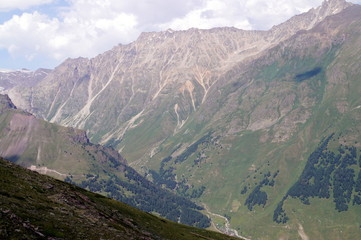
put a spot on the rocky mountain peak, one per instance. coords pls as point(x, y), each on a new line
point(330, 7)
point(310, 19)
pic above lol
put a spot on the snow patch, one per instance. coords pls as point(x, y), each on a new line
point(7, 70)
point(3, 70)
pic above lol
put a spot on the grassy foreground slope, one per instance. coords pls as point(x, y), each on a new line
point(34, 206)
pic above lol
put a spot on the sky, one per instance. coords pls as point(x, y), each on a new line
point(43, 33)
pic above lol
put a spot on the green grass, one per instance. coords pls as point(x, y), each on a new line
point(33, 204)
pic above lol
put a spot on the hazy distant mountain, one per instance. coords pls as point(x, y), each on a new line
point(25, 78)
point(262, 126)
point(15, 80)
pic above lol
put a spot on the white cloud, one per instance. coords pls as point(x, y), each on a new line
point(244, 14)
point(6, 5)
point(32, 35)
point(22, 34)
point(212, 13)
point(265, 14)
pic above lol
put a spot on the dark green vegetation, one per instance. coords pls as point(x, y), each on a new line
point(34, 206)
point(193, 148)
point(165, 176)
point(257, 196)
point(327, 171)
point(67, 153)
point(136, 191)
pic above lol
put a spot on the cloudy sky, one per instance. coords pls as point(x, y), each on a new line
point(42, 33)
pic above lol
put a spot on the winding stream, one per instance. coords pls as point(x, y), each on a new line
point(228, 230)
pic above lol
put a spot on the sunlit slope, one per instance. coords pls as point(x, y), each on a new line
point(250, 143)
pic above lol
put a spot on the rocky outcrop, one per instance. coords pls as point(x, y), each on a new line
point(6, 103)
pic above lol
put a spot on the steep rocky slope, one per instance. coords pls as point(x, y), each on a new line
point(34, 206)
point(67, 153)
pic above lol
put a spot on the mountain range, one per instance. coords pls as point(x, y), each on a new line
point(260, 125)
